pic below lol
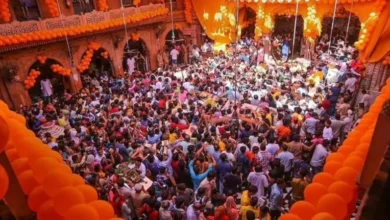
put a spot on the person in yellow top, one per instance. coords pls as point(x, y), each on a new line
point(252, 207)
point(247, 195)
point(264, 213)
point(172, 136)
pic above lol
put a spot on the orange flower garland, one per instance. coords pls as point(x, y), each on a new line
point(53, 8)
point(30, 81)
point(368, 26)
point(188, 11)
point(87, 58)
point(102, 5)
point(52, 191)
point(59, 33)
point(5, 14)
point(56, 68)
point(312, 23)
point(41, 59)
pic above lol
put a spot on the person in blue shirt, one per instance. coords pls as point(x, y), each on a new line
point(276, 199)
point(223, 167)
point(197, 177)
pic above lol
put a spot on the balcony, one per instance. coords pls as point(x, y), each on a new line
point(63, 22)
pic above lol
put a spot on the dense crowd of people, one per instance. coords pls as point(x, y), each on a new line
point(220, 138)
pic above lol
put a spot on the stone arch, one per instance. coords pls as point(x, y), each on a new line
point(58, 82)
point(101, 61)
point(133, 48)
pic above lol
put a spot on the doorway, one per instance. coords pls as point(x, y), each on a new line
point(138, 50)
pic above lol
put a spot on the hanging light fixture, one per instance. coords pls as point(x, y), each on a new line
point(172, 23)
point(295, 27)
point(66, 36)
point(125, 26)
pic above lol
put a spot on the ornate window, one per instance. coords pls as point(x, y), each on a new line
point(82, 6)
point(26, 10)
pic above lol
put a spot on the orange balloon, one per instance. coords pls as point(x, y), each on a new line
point(103, 208)
point(12, 154)
point(66, 198)
point(20, 165)
point(47, 212)
point(347, 175)
point(37, 152)
point(82, 211)
point(323, 216)
point(27, 181)
point(88, 192)
point(342, 189)
point(289, 216)
point(313, 192)
point(332, 204)
point(331, 167)
point(354, 162)
point(57, 157)
point(55, 181)
point(345, 150)
point(42, 166)
point(324, 179)
point(335, 157)
point(303, 209)
point(4, 133)
point(20, 118)
point(37, 198)
point(4, 180)
point(77, 180)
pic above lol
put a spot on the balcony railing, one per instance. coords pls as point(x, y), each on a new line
point(17, 27)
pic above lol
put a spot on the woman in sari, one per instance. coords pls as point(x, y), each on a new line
point(228, 210)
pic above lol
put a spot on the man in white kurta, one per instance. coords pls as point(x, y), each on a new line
point(46, 88)
point(130, 65)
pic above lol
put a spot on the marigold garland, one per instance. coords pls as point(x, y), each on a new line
point(42, 59)
point(5, 14)
point(188, 11)
point(30, 81)
point(77, 30)
point(87, 58)
point(56, 68)
point(135, 36)
point(102, 5)
point(312, 24)
point(53, 8)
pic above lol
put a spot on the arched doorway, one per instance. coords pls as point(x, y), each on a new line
point(247, 21)
point(340, 27)
point(138, 50)
point(59, 83)
point(284, 33)
point(100, 64)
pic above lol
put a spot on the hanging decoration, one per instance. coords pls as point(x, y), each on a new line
point(52, 191)
point(41, 59)
point(312, 24)
point(56, 68)
point(30, 81)
point(59, 33)
point(5, 14)
point(268, 24)
point(368, 26)
point(87, 58)
point(53, 8)
point(135, 36)
point(136, 2)
point(188, 11)
point(102, 5)
point(104, 55)
point(259, 21)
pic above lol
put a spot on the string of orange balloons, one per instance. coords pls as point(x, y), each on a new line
point(5, 14)
point(56, 68)
point(53, 8)
point(52, 191)
point(19, 39)
point(87, 58)
point(368, 26)
point(333, 193)
point(30, 81)
point(42, 59)
point(102, 5)
point(188, 11)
